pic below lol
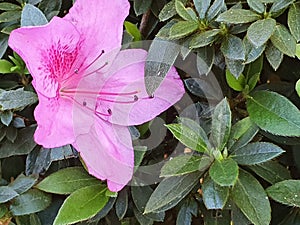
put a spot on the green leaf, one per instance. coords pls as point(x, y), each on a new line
point(187, 136)
point(205, 59)
point(30, 202)
point(133, 31)
point(3, 210)
point(202, 7)
point(221, 124)
point(5, 65)
point(241, 134)
point(32, 16)
point(183, 29)
point(224, 172)
point(283, 40)
point(10, 16)
point(67, 181)
point(160, 58)
point(7, 193)
point(82, 205)
point(294, 20)
point(170, 191)
point(257, 32)
point(22, 145)
point(214, 195)
point(271, 171)
point(279, 6)
point(6, 6)
point(204, 38)
point(269, 111)
point(297, 87)
point(235, 67)
point(274, 56)
point(286, 192)
point(185, 164)
point(237, 84)
point(17, 99)
point(23, 183)
point(252, 52)
point(250, 197)
point(141, 218)
point(6, 117)
point(50, 8)
point(237, 16)
point(256, 5)
point(187, 210)
point(121, 204)
point(139, 152)
point(233, 48)
point(141, 6)
point(215, 9)
point(257, 152)
point(169, 10)
point(183, 12)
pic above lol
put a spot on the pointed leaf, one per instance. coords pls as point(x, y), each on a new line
point(7, 193)
point(6, 6)
point(7, 117)
point(215, 9)
point(183, 29)
point(5, 66)
point(236, 67)
point(141, 6)
point(221, 124)
point(67, 181)
point(9, 16)
point(22, 183)
point(234, 83)
point(294, 20)
point(204, 38)
point(82, 205)
point(30, 202)
point(187, 210)
point(122, 204)
point(32, 16)
point(250, 197)
point(279, 6)
point(257, 152)
point(274, 56)
point(169, 10)
point(236, 16)
point(284, 41)
point(205, 59)
point(286, 192)
point(170, 191)
point(257, 32)
point(256, 5)
point(202, 7)
point(182, 11)
point(185, 164)
point(233, 48)
point(224, 172)
point(269, 111)
point(252, 52)
point(214, 195)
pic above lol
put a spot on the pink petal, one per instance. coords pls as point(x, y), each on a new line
point(108, 154)
point(127, 76)
point(54, 119)
point(100, 23)
point(50, 53)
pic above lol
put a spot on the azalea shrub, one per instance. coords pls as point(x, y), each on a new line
point(149, 112)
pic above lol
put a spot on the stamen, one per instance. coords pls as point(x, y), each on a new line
point(109, 111)
point(151, 96)
point(135, 98)
point(76, 71)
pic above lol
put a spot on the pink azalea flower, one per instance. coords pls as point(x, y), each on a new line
point(89, 91)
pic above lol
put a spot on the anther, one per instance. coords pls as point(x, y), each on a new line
point(84, 103)
point(151, 96)
point(135, 98)
point(109, 111)
point(76, 71)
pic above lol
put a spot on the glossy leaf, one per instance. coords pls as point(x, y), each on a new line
point(250, 197)
point(241, 134)
point(30, 202)
point(286, 192)
point(233, 48)
point(170, 191)
point(6, 117)
point(294, 20)
point(6, 6)
point(202, 7)
point(205, 59)
point(256, 5)
point(274, 56)
point(185, 164)
point(283, 40)
point(271, 171)
point(269, 111)
point(169, 10)
point(17, 99)
point(182, 11)
point(32, 16)
point(224, 172)
point(22, 183)
point(160, 58)
point(279, 6)
point(252, 52)
point(204, 38)
point(257, 32)
point(9, 16)
point(182, 29)
point(237, 16)
point(67, 181)
point(235, 67)
point(5, 66)
point(7, 193)
point(237, 84)
point(215, 9)
point(81, 205)
point(255, 153)
point(214, 195)
point(221, 124)
point(22, 145)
